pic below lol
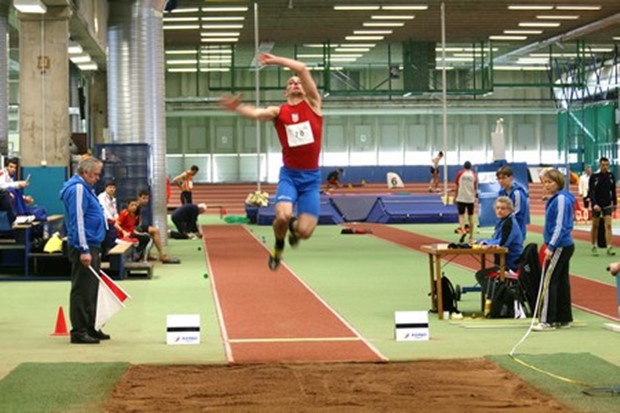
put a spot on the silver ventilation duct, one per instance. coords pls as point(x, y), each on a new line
point(136, 90)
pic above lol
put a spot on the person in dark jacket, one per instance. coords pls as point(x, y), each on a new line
point(507, 234)
point(185, 218)
point(555, 311)
point(86, 229)
point(602, 195)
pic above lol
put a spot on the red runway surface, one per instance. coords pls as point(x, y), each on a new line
point(273, 316)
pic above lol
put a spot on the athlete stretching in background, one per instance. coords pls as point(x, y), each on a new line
point(299, 124)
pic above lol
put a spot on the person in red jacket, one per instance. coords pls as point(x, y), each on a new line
point(299, 124)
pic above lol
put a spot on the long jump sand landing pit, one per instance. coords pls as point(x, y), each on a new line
point(475, 385)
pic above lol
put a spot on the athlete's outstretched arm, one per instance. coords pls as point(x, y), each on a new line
point(233, 103)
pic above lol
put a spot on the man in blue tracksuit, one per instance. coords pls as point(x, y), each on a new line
point(86, 230)
point(555, 311)
point(517, 194)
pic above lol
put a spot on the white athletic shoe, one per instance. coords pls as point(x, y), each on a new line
point(543, 327)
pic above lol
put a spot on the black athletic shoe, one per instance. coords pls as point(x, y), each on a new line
point(293, 239)
point(274, 259)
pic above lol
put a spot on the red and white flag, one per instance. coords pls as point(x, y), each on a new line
point(110, 298)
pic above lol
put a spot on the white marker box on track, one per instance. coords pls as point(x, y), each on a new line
point(182, 329)
point(411, 325)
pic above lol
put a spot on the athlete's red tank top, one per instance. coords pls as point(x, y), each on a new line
point(300, 131)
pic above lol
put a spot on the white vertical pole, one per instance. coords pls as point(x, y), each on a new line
point(257, 99)
point(444, 99)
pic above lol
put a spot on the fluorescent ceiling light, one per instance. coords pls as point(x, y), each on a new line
point(386, 17)
point(372, 31)
point(539, 24)
point(219, 40)
point(616, 38)
point(219, 34)
point(419, 7)
point(180, 19)
point(223, 9)
point(214, 61)
point(382, 24)
point(216, 52)
point(508, 37)
point(181, 51)
point(310, 55)
point(222, 26)
point(182, 27)
point(182, 69)
point(578, 8)
point(601, 50)
point(182, 62)
point(557, 17)
point(519, 68)
point(81, 59)
point(88, 66)
point(358, 45)
point(529, 7)
point(318, 45)
point(533, 60)
point(352, 49)
point(353, 38)
point(30, 6)
point(342, 59)
point(523, 31)
point(215, 69)
point(455, 59)
point(444, 67)
point(346, 55)
point(75, 48)
point(350, 8)
point(186, 10)
point(223, 19)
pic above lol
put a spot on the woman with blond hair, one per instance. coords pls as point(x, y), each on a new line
point(555, 309)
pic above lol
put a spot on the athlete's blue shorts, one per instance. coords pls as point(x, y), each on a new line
point(301, 188)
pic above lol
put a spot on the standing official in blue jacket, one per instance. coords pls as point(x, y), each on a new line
point(517, 194)
point(86, 230)
point(555, 311)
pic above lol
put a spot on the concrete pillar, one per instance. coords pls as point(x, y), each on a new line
point(44, 87)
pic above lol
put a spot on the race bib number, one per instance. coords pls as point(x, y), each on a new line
point(299, 134)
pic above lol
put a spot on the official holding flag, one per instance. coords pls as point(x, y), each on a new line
point(86, 229)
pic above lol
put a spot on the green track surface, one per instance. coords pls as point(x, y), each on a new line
point(363, 278)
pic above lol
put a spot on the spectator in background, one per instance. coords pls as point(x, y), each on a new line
point(584, 182)
point(107, 199)
point(517, 194)
point(185, 182)
point(602, 194)
point(559, 216)
point(334, 179)
point(85, 225)
point(434, 185)
point(466, 187)
point(143, 226)
point(126, 227)
point(9, 188)
point(185, 218)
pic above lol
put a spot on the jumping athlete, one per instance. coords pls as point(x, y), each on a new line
point(299, 124)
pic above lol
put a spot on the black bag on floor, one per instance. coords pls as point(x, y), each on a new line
point(529, 275)
point(505, 296)
point(448, 295)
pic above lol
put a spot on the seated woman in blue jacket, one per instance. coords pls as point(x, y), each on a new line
point(507, 234)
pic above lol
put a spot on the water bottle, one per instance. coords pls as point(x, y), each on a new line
point(46, 231)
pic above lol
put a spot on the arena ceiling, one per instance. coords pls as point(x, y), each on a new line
point(595, 22)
